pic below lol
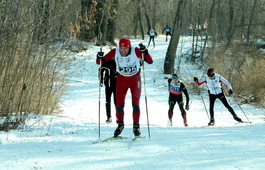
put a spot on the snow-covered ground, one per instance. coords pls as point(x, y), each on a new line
point(66, 141)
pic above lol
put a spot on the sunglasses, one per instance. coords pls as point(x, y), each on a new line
point(211, 75)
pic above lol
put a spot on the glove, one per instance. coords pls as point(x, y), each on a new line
point(143, 49)
point(195, 79)
point(187, 106)
point(100, 55)
point(230, 91)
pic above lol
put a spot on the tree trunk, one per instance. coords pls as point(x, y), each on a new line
point(172, 48)
point(86, 23)
point(250, 20)
point(154, 14)
point(112, 23)
point(144, 7)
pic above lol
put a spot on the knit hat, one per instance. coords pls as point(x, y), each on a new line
point(210, 72)
point(125, 42)
point(175, 76)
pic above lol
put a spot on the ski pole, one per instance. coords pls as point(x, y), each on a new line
point(243, 112)
point(241, 109)
point(205, 107)
point(99, 92)
point(146, 107)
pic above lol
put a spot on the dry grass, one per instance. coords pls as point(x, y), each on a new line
point(32, 71)
point(244, 66)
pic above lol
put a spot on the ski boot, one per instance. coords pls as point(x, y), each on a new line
point(238, 119)
point(119, 129)
point(211, 123)
point(109, 120)
point(170, 123)
point(136, 129)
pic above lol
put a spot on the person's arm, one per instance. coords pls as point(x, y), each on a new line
point(226, 82)
point(201, 81)
point(147, 56)
point(107, 57)
point(185, 91)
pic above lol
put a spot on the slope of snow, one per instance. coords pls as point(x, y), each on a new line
point(66, 141)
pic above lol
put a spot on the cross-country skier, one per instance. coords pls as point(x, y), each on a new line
point(176, 87)
point(168, 31)
point(128, 62)
point(108, 76)
point(152, 35)
point(214, 83)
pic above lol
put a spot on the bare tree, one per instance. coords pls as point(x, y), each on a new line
point(172, 48)
point(251, 19)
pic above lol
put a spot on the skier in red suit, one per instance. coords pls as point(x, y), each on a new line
point(128, 64)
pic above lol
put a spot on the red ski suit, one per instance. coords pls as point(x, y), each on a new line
point(125, 82)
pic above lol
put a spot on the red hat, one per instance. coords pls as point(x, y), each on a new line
point(210, 72)
point(125, 42)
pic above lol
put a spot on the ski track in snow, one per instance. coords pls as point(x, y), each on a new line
point(65, 141)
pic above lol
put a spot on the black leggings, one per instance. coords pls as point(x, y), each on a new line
point(108, 92)
point(222, 97)
point(152, 38)
point(172, 101)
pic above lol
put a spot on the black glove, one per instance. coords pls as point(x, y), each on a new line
point(230, 91)
point(187, 106)
point(100, 55)
point(143, 49)
point(195, 79)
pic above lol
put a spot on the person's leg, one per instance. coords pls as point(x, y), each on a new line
point(108, 92)
point(171, 104)
point(212, 99)
point(150, 38)
point(183, 112)
point(153, 39)
point(113, 86)
point(230, 109)
point(121, 91)
point(136, 94)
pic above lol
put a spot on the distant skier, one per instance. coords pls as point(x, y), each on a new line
point(215, 91)
point(176, 87)
point(108, 76)
point(204, 28)
point(168, 31)
point(152, 35)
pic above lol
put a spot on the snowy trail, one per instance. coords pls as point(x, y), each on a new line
point(65, 141)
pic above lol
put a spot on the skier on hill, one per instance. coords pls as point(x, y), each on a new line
point(168, 31)
point(176, 87)
point(152, 35)
point(128, 62)
point(215, 91)
point(108, 76)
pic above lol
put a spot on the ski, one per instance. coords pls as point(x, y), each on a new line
point(243, 122)
point(110, 139)
point(208, 126)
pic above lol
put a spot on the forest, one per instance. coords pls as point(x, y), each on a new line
point(37, 34)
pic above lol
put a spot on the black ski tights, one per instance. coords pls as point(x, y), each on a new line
point(222, 97)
